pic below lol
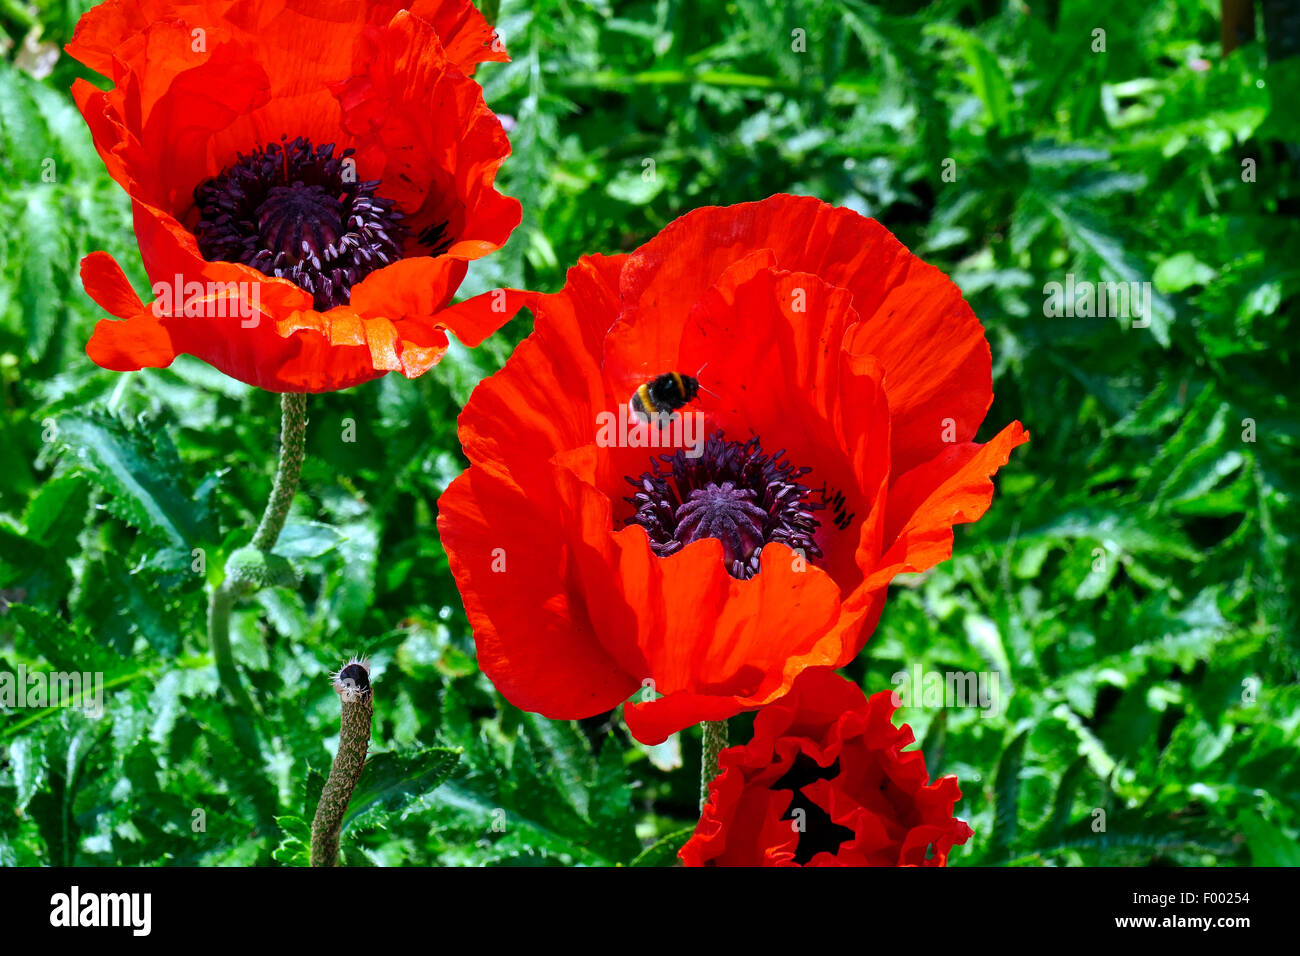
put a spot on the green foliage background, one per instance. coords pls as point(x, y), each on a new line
point(1131, 586)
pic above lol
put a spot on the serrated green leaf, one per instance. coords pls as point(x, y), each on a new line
point(127, 464)
point(43, 246)
point(611, 795)
point(44, 635)
point(28, 763)
point(391, 781)
point(1006, 820)
point(561, 748)
point(295, 842)
point(22, 131)
point(986, 76)
point(1063, 802)
point(57, 508)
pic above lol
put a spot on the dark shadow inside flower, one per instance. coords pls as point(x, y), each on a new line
point(820, 834)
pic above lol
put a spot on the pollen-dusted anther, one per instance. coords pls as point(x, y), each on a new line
point(297, 212)
point(732, 492)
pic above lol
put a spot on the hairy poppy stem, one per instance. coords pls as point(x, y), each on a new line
point(253, 568)
point(353, 686)
point(293, 444)
point(715, 741)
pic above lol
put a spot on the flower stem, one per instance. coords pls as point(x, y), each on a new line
point(715, 741)
point(293, 444)
point(293, 441)
point(219, 608)
point(354, 741)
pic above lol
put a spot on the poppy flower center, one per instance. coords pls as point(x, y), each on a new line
point(297, 212)
point(730, 491)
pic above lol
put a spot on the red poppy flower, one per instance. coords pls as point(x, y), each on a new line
point(825, 782)
point(309, 179)
point(845, 382)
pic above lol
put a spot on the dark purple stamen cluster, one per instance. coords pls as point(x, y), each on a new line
point(296, 212)
point(732, 492)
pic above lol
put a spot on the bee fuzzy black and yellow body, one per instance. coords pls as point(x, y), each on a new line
point(662, 396)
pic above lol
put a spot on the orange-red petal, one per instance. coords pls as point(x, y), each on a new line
point(529, 630)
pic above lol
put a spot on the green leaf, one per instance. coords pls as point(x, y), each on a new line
point(559, 745)
point(1063, 802)
point(300, 540)
point(663, 852)
point(392, 781)
point(22, 131)
point(1006, 820)
point(42, 241)
point(29, 766)
point(139, 471)
point(57, 510)
point(611, 796)
point(635, 187)
point(45, 635)
point(1181, 272)
point(986, 76)
point(1269, 845)
point(1119, 532)
point(1094, 242)
point(295, 842)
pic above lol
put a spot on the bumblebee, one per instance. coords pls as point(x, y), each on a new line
point(660, 397)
